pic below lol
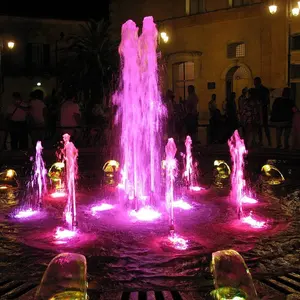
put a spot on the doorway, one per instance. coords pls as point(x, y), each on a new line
point(237, 78)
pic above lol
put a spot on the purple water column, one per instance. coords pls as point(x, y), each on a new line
point(237, 151)
point(140, 111)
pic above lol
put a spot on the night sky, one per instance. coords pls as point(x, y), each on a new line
point(50, 9)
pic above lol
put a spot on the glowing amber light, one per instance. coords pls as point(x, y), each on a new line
point(111, 166)
point(273, 9)
point(10, 44)
point(10, 173)
point(295, 11)
point(164, 36)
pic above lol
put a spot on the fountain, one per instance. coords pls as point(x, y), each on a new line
point(190, 173)
point(37, 184)
point(237, 151)
point(238, 194)
point(40, 172)
point(71, 154)
point(171, 169)
point(140, 113)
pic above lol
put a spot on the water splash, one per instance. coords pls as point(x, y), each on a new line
point(101, 207)
point(188, 172)
point(237, 151)
point(24, 214)
point(146, 213)
point(39, 176)
point(182, 204)
point(71, 155)
point(252, 222)
point(171, 169)
point(179, 243)
point(140, 112)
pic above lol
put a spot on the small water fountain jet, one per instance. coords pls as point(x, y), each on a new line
point(140, 112)
point(71, 155)
point(190, 173)
point(40, 172)
point(171, 170)
point(238, 151)
point(37, 184)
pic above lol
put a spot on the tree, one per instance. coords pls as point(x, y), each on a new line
point(91, 60)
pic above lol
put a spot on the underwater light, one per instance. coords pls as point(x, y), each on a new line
point(223, 168)
point(272, 175)
point(111, 166)
point(55, 172)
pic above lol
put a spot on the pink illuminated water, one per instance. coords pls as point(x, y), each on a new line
point(140, 111)
point(24, 214)
point(252, 222)
point(171, 170)
point(188, 172)
point(179, 243)
point(182, 204)
point(101, 207)
point(71, 155)
point(62, 234)
point(39, 177)
point(237, 151)
point(58, 194)
point(146, 213)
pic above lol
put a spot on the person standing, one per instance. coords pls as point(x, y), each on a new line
point(192, 113)
point(282, 116)
point(17, 114)
point(37, 112)
point(263, 95)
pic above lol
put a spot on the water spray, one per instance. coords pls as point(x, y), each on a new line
point(71, 155)
point(171, 168)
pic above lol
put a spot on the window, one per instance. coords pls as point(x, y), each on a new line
point(38, 55)
point(295, 42)
point(236, 50)
point(237, 3)
point(295, 71)
point(183, 76)
point(195, 6)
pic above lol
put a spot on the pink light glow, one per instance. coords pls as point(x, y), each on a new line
point(196, 188)
point(252, 222)
point(248, 200)
point(71, 155)
point(63, 234)
point(40, 173)
point(178, 242)
point(237, 151)
point(182, 204)
point(146, 213)
point(58, 194)
point(171, 169)
point(188, 172)
point(23, 214)
point(101, 207)
point(140, 110)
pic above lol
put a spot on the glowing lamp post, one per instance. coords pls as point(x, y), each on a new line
point(291, 12)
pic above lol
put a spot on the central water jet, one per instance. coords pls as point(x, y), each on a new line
point(71, 154)
point(140, 113)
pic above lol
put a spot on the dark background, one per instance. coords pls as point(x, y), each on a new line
point(69, 10)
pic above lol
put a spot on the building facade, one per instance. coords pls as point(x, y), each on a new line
point(32, 62)
point(220, 45)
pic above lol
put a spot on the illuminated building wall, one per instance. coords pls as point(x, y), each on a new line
point(223, 46)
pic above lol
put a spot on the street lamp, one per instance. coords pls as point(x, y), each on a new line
point(291, 12)
point(10, 45)
point(164, 36)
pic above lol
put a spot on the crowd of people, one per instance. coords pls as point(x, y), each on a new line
point(38, 118)
point(251, 114)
